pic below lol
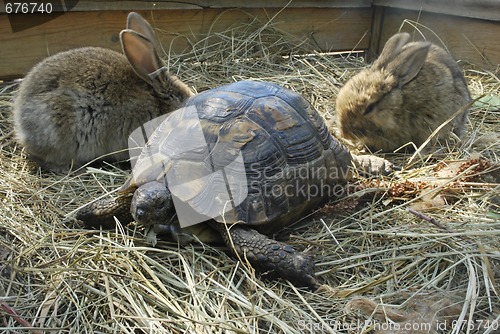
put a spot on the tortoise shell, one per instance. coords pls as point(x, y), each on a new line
point(256, 150)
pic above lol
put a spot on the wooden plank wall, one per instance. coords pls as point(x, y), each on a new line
point(180, 28)
point(471, 33)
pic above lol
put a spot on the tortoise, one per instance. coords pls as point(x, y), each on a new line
point(258, 132)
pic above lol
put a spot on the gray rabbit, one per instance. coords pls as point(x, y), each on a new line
point(82, 104)
point(407, 93)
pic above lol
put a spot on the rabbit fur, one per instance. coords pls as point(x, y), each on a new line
point(82, 104)
point(407, 93)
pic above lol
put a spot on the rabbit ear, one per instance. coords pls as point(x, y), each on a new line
point(141, 54)
point(391, 49)
point(407, 64)
point(136, 23)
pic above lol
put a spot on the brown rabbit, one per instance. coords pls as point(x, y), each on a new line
point(82, 104)
point(408, 92)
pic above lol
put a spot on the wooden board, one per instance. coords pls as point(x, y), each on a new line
point(335, 25)
point(479, 9)
point(467, 39)
point(326, 29)
point(100, 5)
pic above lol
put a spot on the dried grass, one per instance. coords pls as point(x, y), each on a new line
point(57, 277)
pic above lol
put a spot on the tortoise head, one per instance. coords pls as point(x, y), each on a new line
point(152, 204)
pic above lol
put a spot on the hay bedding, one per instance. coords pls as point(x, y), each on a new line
point(382, 262)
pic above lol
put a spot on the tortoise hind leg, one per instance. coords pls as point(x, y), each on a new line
point(269, 256)
point(101, 212)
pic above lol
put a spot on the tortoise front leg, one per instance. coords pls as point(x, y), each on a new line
point(373, 165)
point(269, 256)
point(101, 212)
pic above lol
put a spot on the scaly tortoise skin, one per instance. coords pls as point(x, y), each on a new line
point(279, 135)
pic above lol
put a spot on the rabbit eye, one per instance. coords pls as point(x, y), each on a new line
point(370, 108)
